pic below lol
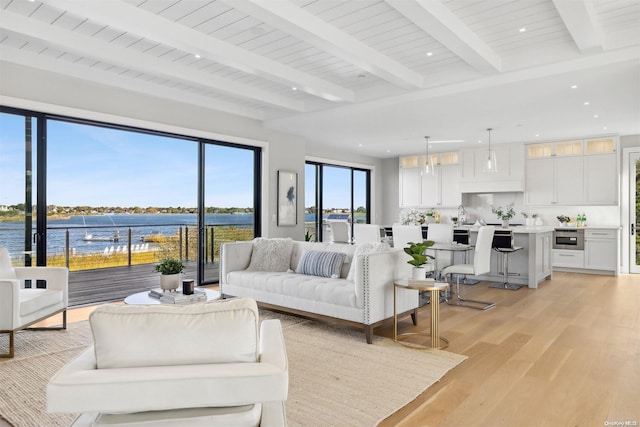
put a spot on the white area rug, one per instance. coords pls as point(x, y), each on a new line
point(336, 378)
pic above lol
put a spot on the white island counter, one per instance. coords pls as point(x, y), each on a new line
point(532, 264)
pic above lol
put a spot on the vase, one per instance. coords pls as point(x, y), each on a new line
point(505, 223)
point(538, 221)
point(169, 282)
point(419, 273)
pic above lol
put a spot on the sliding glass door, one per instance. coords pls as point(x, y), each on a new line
point(19, 231)
point(336, 193)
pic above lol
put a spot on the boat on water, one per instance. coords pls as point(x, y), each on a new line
point(115, 237)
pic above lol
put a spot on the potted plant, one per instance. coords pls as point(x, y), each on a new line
point(454, 219)
point(418, 257)
point(169, 269)
point(504, 214)
point(563, 220)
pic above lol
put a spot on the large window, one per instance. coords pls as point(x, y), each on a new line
point(335, 193)
point(110, 195)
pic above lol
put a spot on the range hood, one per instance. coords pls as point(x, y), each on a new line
point(492, 186)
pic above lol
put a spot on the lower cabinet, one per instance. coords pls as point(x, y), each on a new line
point(601, 250)
point(568, 258)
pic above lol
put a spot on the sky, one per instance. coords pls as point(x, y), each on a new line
point(95, 166)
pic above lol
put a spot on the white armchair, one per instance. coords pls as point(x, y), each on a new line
point(204, 364)
point(21, 307)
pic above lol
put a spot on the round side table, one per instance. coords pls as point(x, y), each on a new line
point(437, 342)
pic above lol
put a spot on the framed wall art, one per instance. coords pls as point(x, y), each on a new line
point(287, 198)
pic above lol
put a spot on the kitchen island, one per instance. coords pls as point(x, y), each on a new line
point(530, 266)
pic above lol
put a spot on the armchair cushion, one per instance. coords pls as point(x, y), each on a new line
point(163, 335)
point(32, 300)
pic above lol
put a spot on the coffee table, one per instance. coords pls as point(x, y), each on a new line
point(143, 298)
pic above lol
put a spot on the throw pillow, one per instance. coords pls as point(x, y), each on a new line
point(364, 249)
point(321, 263)
point(270, 254)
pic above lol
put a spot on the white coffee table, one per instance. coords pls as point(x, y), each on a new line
point(143, 298)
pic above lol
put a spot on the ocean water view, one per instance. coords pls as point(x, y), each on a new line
point(94, 233)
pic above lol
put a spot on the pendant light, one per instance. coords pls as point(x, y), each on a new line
point(489, 164)
point(429, 168)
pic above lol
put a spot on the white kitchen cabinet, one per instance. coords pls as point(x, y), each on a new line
point(568, 258)
point(601, 249)
point(510, 170)
point(419, 189)
point(572, 173)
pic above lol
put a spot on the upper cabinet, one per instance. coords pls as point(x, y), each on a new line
point(509, 175)
point(576, 172)
point(420, 189)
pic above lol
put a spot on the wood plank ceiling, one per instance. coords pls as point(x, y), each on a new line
point(271, 59)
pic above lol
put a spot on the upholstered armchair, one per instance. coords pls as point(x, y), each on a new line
point(21, 307)
point(203, 364)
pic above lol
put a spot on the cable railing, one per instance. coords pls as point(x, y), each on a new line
point(104, 246)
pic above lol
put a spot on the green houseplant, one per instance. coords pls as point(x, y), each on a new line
point(504, 214)
point(418, 257)
point(169, 269)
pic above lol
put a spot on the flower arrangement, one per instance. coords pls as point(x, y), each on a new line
point(563, 219)
point(412, 216)
point(503, 214)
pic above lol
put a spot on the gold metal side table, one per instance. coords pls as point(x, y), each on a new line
point(434, 288)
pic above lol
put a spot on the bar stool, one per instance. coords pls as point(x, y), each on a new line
point(503, 244)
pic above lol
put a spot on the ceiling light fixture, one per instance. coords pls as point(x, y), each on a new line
point(595, 116)
point(197, 56)
point(522, 30)
point(429, 53)
point(586, 102)
point(574, 87)
point(294, 88)
point(429, 167)
point(490, 164)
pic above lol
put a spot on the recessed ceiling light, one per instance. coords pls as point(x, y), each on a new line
point(294, 88)
point(586, 102)
point(429, 53)
point(388, 151)
point(574, 87)
point(522, 30)
point(359, 145)
point(537, 134)
point(604, 128)
point(479, 141)
point(595, 116)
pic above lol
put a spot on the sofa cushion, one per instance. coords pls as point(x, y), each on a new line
point(321, 263)
point(300, 248)
point(270, 254)
point(162, 335)
point(320, 289)
point(32, 300)
point(6, 268)
point(346, 249)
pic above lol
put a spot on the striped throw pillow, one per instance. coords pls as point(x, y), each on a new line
point(321, 263)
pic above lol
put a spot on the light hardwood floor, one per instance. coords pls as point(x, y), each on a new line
point(565, 354)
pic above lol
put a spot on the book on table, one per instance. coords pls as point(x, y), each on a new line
point(180, 298)
point(156, 293)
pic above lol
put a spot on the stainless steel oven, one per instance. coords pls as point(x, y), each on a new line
point(568, 239)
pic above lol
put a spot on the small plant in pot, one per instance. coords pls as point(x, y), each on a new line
point(418, 257)
point(169, 269)
point(504, 214)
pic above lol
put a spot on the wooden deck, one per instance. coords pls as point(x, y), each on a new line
point(116, 283)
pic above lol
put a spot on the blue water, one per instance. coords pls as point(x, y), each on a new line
point(12, 233)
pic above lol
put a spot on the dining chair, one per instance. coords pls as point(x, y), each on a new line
point(481, 265)
point(440, 233)
point(403, 234)
point(366, 233)
point(340, 232)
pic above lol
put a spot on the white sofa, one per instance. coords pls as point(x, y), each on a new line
point(208, 364)
point(367, 298)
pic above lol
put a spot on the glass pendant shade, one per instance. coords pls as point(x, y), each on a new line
point(489, 163)
point(429, 167)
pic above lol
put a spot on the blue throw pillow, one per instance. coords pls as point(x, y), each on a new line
point(321, 263)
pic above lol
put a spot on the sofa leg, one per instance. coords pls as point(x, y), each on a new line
point(368, 333)
point(414, 316)
point(11, 345)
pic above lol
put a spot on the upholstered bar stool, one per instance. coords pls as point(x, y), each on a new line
point(503, 244)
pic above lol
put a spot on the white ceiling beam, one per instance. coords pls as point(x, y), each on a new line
point(109, 79)
point(439, 22)
point(134, 20)
point(109, 53)
point(296, 21)
point(580, 19)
